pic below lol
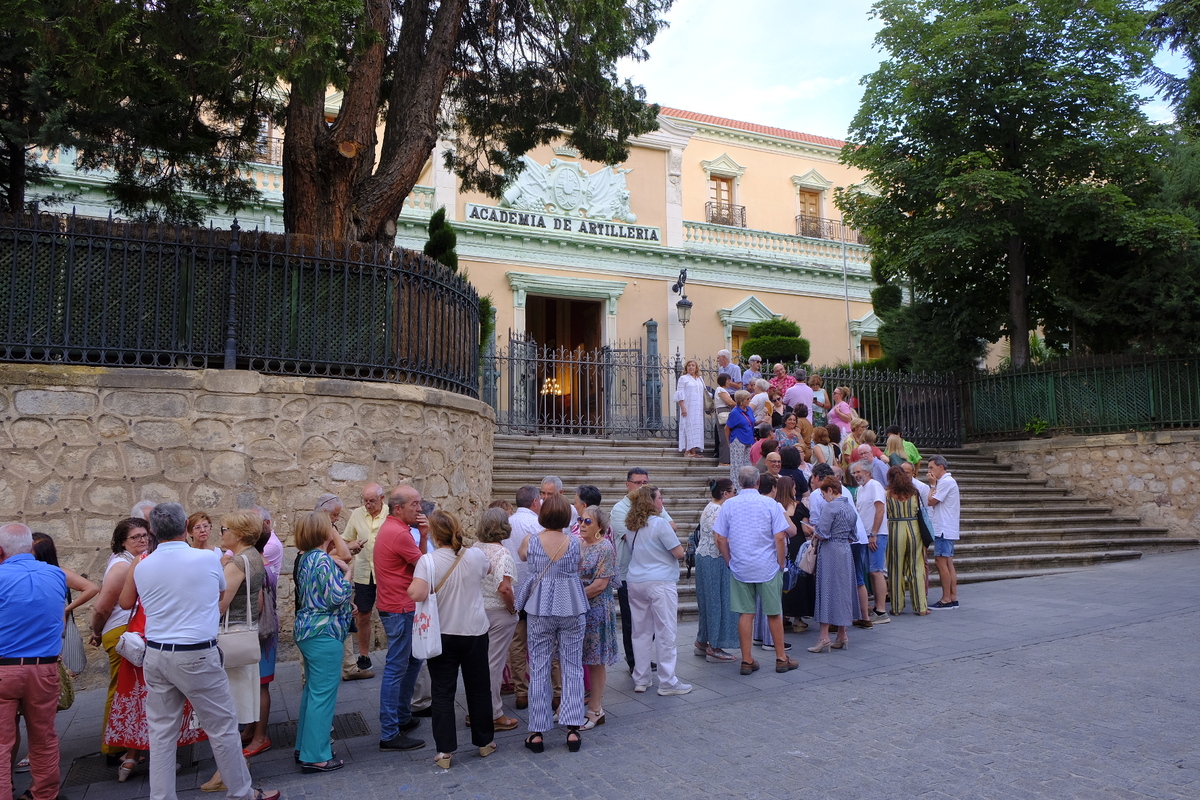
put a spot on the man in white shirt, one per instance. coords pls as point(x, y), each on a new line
point(871, 502)
point(179, 587)
point(635, 479)
point(945, 507)
point(552, 484)
point(800, 393)
point(524, 522)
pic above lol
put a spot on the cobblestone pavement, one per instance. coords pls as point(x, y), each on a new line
point(1079, 685)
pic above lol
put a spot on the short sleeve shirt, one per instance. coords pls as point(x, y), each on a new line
point(749, 522)
point(946, 513)
point(502, 565)
point(362, 527)
point(650, 556)
point(460, 600)
point(865, 502)
point(733, 371)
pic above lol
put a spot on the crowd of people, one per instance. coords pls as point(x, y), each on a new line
point(187, 613)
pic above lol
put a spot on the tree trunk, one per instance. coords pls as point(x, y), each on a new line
point(331, 183)
point(1018, 303)
point(14, 178)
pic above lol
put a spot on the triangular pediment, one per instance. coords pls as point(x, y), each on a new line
point(866, 325)
point(724, 166)
point(747, 312)
point(812, 181)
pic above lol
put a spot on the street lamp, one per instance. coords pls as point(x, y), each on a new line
point(684, 306)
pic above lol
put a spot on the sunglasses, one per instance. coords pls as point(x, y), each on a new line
point(585, 520)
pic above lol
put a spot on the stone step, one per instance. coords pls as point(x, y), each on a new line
point(969, 546)
point(1023, 534)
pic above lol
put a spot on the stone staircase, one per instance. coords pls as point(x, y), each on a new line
point(1012, 526)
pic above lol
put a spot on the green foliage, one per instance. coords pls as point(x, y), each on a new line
point(1015, 174)
point(442, 240)
point(487, 323)
point(928, 336)
point(777, 340)
point(1037, 426)
point(1175, 26)
point(886, 299)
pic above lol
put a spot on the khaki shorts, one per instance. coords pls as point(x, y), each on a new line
point(743, 595)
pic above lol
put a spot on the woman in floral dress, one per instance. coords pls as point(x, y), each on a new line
point(597, 570)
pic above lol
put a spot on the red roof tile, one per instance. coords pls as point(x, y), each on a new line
point(780, 133)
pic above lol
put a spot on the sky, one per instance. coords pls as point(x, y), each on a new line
point(794, 64)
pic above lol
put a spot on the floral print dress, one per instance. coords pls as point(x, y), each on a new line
point(599, 561)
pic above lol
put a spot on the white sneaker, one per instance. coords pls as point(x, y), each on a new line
point(679, 688)
point(641, 687)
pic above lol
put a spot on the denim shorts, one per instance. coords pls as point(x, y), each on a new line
point(861, 555)
point(879, 555)
point(943, 548)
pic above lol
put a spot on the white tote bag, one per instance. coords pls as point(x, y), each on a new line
point(427, 632)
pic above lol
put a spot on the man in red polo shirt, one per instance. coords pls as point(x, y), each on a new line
point(400, 542)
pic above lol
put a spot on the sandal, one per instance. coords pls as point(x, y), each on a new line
point(535, 743)
point(487, 749)
point(126, 769)
point(594, 718)
point(573, 744)
point(717, 656)
point(786, 664)
point(443, 760)
point(749, 666)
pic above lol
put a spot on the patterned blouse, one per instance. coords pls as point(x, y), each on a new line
point(552, 588)
point(502, 565)
point(323, 597)
point(707, 545)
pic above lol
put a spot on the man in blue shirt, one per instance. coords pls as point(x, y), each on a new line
point(33, 597)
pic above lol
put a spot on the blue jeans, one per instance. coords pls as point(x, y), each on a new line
point(399, 674)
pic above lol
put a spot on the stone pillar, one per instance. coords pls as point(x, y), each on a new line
point(653, 379)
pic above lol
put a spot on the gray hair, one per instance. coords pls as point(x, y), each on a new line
point(763, 430)
point(748, 477)
point(168, 521)
point(762, 385)
point(554, 479)
point(263, 513)
point(865, 452)
point(740, 395)
point(327, 502)
point(493, 527)
point(15, 538)
point(141, 509)
point(800, 374)
point(598, 515)
point(527, 496)
point(940, 461)
point(756, 358)
point(725, 353)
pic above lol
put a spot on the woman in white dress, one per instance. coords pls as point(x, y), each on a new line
point(689, 396)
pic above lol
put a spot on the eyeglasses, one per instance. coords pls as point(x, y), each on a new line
point(138, 536)
point(640, 483)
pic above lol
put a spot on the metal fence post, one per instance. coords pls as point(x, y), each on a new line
point(652, 380)
point(235, 246)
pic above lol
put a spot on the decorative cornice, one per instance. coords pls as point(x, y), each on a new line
point(525, 283)
point(671, 134)
point(765, 142)
point(724, 166)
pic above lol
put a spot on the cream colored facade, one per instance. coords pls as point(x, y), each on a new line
point(572, 289)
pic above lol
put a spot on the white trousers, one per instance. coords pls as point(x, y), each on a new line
point(653, 612)
point(501, 626)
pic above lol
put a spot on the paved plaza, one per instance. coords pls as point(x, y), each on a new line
point(1079, 685)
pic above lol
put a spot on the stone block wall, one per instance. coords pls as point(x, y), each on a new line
point(1154, 475)
point(81, 445)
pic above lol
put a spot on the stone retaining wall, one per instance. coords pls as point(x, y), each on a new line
point(81, 445)
point(1154, 475)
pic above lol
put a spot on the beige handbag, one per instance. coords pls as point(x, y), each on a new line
point(239, 641)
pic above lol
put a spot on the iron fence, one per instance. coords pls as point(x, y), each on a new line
point(718, 213)
point(92, 291)
point(1085, 396)
point(628, 392)
point(822, 228)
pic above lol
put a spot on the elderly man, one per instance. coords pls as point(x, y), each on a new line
point(524, 523)
point(361, 531)
point(551, 485)
point(725, 366)
point(800, 393)
point(753, 371)
point(32, 603)
point(751, 535)
point(871, 502)
point(395, 554)
point(878, 467)
point(141, 509)
point(945, 507)
point(179, 588)
point(635, 479)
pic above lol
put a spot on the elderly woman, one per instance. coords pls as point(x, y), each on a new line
point(598, 570)
point(718, 626)
point(689, 397)
point(760, 403)
point(651, 548)
point(905, 554)
point(455, 573)
point(499, 603)
point(739, 429)
point(323, 610)
point(130, 539)
point(556, 610)
point(240, 533)
point(199, 531)
point(837, 594)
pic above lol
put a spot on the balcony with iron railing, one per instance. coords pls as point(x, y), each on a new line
point(822, 228)
point(718, 213)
